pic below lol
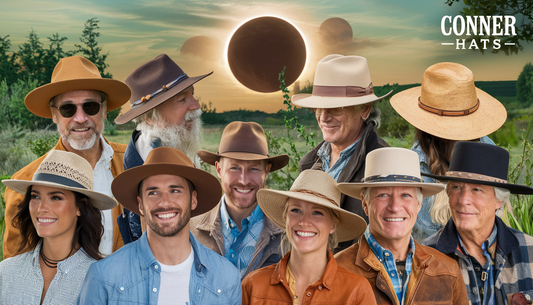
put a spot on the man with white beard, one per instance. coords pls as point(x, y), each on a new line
point(167, 115)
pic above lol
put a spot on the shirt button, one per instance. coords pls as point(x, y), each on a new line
point(154, 290)
point(386, 253)
point(232, 254)
point(122, 288)
point(309, 294)
point(199, 290)
point(477, 269)
point(392, 273)
point(156, 267)
point(219, 291)
point(319, 287)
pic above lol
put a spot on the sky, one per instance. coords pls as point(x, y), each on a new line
point(400, 39)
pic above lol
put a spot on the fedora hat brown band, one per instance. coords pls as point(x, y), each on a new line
point(474, 176)
point(442, 112)
point(164, 88)
point(342, 91)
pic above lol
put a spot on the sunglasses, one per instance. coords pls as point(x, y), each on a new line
point(69, 110)
point(333, 111)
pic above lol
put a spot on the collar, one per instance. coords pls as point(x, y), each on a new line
point(325, 150)
point(107, 154)
point(379, 251)
point(256, 216)
point(488, 245)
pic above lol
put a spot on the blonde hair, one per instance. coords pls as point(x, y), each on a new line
point(440, 211)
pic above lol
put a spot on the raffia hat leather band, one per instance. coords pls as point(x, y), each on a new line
point(442, 112)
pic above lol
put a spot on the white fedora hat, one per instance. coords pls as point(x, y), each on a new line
point(340, 81)
point(391, 166)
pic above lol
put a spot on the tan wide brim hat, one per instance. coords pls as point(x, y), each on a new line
point(316, 187)
point(76, 73)
point(68, 171)
point(391, 166)
point(340, 81)
point(167, 161)
point(244, 141)
point(446, 105)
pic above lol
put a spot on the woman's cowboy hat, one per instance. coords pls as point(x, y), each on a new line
point(153, 83)
point(391, 166)
point(68, 171)
point(340, 81)
point(316, 187)
point(167, 161)
point(448, 104)
point(481, 163)
point(76, 73)
point(244, 141)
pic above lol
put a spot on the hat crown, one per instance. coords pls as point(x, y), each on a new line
point(246, 137)
point(480, 158)
point(388, 161)
point(448, 86)
point(65, 168)
point(317, 181)
point(339, 70)
point(168, 155)
point(74, 67)
point(151, 76)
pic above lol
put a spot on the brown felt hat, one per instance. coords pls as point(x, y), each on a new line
point(167, 161)
point(153, 83)
point(448, 104)
point(244, 141)
point(76, 73)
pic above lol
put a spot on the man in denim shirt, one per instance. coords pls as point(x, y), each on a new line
point(167, 264)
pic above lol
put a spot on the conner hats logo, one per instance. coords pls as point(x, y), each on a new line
point(484, 29)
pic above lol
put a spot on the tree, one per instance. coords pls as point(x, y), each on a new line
point(90, 48)
point(523, 9)
point(8, 62)
point(524, 86)
point(32, 54)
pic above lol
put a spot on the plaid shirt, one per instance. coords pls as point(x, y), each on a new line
point(387, 259)
point(513, 261)
point(324, 153)
point(239, 246)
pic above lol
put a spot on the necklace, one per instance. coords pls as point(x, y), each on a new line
point(51, 263)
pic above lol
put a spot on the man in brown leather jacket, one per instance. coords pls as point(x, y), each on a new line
point(400, 270)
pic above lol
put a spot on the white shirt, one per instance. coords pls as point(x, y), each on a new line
point(174, 288)
point(102, 184)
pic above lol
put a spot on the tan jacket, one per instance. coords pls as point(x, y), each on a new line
point(12, 199)
point(435, 278)
point(207, 228)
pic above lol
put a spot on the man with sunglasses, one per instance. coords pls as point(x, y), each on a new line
point(77, 99)
point(342, 103)
point(167, 115)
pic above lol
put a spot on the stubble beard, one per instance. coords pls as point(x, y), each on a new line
point(171, 229)
point(81, 143)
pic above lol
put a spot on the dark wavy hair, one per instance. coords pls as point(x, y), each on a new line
point(88, 233)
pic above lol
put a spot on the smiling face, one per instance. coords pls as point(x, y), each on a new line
point(391, 214)
point(473, 207)
point(308, 226)
point(166, 203)
point(53, 212)
point(80, 131)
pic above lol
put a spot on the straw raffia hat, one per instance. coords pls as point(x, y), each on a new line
point(448, 104)
point(316, 187)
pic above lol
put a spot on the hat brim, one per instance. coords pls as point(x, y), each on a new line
point(513, 188)
point(37, 101)
point(98, 200)
point(208, 189)
point(490, 116)
point(354, 189)
point(273, 204)
point(158, 99)
point(314, 101)
point(277, 162)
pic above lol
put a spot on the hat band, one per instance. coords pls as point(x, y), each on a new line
point(466, 175)
point(391, 178)
point(245, 152)
point(43, 177)
point(146, 98)
point(320, 196)
point(342, 91)
point(442, 112)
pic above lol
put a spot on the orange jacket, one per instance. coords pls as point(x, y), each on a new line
point(336, 286)
point(435, 278)
point(12, 199)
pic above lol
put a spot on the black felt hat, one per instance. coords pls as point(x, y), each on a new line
point(481, 163)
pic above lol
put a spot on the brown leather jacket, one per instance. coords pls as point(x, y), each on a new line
point(435, 278)
point(336, 286)
point(12, 199)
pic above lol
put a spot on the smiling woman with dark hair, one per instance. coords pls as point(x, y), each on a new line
point(61, 228)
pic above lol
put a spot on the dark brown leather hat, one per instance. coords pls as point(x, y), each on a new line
point(153, 83)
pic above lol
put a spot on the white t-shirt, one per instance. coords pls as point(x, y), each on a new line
point(174, 287)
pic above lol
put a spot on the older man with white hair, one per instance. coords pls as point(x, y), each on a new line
point(496, 260)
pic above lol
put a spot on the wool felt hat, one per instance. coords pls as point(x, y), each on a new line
point(316, 187)
point(448, 104)
point(68, 171)
point(391, 166)
point(76, 73)
point(167, 161)
point(340, 81)
point(244, 141)
point(481, 163)
point(153, 83)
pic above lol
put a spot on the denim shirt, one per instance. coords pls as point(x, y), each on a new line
point(325, 155)
point(132, 275)
point(424, 226)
